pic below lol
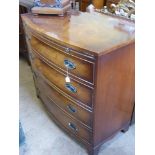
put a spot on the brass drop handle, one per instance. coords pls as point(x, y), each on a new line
point(69, 64)
point(71, 109)
point(70, 87)
point(72, 126)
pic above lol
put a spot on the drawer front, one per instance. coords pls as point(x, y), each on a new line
point(77, 67)
point(79, 92)
point(70, 124)
point(64, 103)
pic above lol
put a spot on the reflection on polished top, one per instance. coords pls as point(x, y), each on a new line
point(94, 32)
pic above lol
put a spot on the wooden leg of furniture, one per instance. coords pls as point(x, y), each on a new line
point(92, 151)
point(28, 60)
point(133, 116)
point(37, 92)
point(125, 129)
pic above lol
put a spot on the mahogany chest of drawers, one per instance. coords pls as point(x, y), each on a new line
point(96, 52)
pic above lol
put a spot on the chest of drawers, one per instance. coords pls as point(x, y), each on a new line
point(97, 53)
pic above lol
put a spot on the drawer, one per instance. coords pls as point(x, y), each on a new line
point(78, 67)
point(79, 92)
point(64, 103)
point(64, 120)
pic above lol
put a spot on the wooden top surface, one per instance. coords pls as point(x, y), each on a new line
point(93, 32)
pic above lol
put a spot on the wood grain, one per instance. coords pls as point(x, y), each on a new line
point(98, 3)
point(115, 92)
point(89, 33)
point(65, 104)
point(48, 10)
point(103, 49)
point(83, 69)
point(65, 120)
point(83, 94)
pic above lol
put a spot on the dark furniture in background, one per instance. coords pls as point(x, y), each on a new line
point(24, 7)
point(84, 4)
point(22, 43)
point(98, 3)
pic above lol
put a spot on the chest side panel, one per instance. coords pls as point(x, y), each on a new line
point(114, 93)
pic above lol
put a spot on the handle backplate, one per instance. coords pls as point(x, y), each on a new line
point(69, 64)
point(72, 126)
point(70, 87)
point(71, 109)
